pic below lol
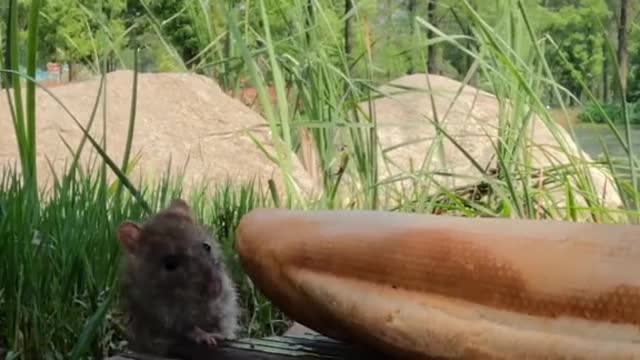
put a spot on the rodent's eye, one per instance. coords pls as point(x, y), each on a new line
point(170, 262)
point(206, 246)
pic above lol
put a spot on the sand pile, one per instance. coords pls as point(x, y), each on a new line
point(472, 120)
point(185, 118)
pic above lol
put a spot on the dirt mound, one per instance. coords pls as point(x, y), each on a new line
point(183, 118)
point(470, 116)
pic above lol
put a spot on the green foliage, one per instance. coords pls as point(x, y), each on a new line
point(576, 31)
point(178, 27)
point(64, 32)
point(80, 31)
point(634, 64)
point(611, 112)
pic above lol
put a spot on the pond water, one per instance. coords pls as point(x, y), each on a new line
point(591, 137)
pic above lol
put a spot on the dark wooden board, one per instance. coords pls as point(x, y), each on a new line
point(288, 347)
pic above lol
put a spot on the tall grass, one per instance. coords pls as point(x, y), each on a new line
point(325, 98)
point(60, 273)
point(58, 254)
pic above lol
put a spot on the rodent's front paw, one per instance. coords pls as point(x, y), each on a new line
point(208, 339)
point(203, 337)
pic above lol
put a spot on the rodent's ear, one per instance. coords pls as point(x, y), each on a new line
point(181, 206)
point(129, 235)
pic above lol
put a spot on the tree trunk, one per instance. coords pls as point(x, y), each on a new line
point(310, 20)
point(605, 80)
point(389, 24)
point(71, 70)
point(411, 9)
point(623, 61)
point(348, 33)
point(432, 59)
point(7, 79)
point(472, 47)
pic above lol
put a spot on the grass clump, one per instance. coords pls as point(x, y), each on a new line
point(60, 262)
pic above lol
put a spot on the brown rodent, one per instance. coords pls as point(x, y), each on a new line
point(174, 285)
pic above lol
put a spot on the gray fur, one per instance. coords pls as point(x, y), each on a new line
point(171, 285)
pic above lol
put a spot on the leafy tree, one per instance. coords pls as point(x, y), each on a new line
point(633, 90)
point(580, 56)
point(178, 27)
point(74, 31)
point(65, 32)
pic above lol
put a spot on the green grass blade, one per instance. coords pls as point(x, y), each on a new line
point(132, 116)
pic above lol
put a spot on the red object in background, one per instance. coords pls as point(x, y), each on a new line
point(54, 67)
point(248, 95)
point(54, 74)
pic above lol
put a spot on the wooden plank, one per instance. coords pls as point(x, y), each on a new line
point(299, 329)
point(298, 346)
point(288, 347)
